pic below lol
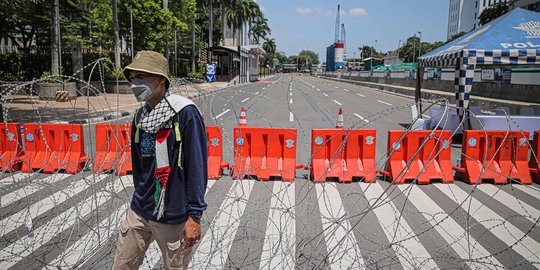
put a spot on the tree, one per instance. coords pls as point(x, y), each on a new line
point(269, 45)
point(368, 51)
point(493, 12)
point(260, 30)
point(454, 37)
point(309, 56)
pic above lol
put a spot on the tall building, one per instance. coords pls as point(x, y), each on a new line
point(463, 14)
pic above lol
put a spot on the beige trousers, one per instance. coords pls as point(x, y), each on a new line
point(135, 236)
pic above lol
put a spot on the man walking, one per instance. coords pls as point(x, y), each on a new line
point(169, 155)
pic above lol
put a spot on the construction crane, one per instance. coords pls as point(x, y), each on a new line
point(337, 25)
point(343, 39)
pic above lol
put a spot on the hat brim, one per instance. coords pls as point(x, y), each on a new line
point(144, 68)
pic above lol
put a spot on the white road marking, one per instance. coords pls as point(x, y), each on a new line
point(512, 202)
point(26, 245)
point(499, 226)
point(336, 87)
point(450, 230)
point(290, 101)
point(318, 89)
point(345, 252)
point(358, 94)
point(280, 240)
point(256, 93)
point(290, 94)
point(337, 102)
point(410, 251)
point(10, 223)
point(361, 117)
point(291, 116)
point(245, 99)
point(325, 94)
point(345, 90)
point(31, 188)
point(221, 114)
point(214, 248)
point(385, 103)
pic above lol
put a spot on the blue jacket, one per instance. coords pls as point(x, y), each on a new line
point(187, 185)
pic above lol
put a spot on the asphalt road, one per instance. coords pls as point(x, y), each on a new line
point(70, 221)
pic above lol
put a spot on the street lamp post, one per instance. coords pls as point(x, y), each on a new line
point(414, 49)
point(420, 44)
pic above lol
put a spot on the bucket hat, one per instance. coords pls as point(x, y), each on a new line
point(149, 62)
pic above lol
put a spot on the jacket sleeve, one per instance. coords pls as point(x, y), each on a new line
point(135, 156)
point(195, 160)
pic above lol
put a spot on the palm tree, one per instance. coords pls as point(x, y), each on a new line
point(270, 45)
point(240, 13)
point(260, 30)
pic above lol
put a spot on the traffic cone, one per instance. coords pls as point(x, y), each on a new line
point(339, 123)
point(243, 119)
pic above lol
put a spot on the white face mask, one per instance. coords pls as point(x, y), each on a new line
point(142, 89)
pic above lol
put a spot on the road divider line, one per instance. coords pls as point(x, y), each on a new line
point(325, 94)
point(337, 102)
point(291, 117)
point(361, 117)
point(345, 90)
point(245, 99)
point(358, 94)
point(221, 114)
point(385, 103)
point(336, 87)
point(256, 93)
point(290, 101)
point(290, 94)
point(318, 89)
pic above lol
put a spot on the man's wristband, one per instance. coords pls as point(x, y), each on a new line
point(196, 216)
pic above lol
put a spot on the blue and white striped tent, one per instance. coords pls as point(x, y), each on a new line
point(512, 39)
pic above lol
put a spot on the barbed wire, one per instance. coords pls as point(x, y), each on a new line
point(61, 220)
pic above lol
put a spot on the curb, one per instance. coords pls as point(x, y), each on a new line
point(106, 117)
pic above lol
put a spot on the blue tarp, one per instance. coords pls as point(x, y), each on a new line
point(518, 29)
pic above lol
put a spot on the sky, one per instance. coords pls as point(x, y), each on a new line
point(310, 24)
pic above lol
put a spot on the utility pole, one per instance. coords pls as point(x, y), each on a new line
point(55, 40)
point(420, 44)
point(414, 49)
point(398, 47)
point(193, 44)
point(166, 7)
point(175, 57)
point(131, 23)
point(116, 36)
point(210, 28)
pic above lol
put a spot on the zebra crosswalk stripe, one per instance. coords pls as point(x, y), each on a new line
point(514, 203)
point(506, 232)
point(407, 246)
point(12, 222)
point(452, 233)
point(27, 244)
point(31, 189)
point(343, 250)
point(279, 242)
point(215, 245)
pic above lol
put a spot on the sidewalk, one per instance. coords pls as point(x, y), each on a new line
point(106, 106)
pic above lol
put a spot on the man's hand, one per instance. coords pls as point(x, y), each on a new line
point(192, 232)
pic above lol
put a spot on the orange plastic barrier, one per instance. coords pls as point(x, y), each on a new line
point(265, 152)
point(495, 155)
point(113, 150)
point(53, 147)
point(215, 152)
point(10, 147)
point(428, 162)
point(535, 156)
point(343, 154)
